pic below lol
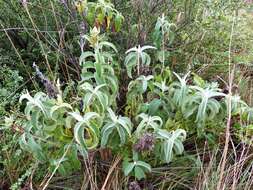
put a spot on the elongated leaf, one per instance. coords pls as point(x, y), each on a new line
point(139, 173)
point(56, 107)
point(106, 132)
point(145, 165)
point(84, 56)
point(128, 168)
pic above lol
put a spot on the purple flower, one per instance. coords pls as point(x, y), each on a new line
point(24, 2)
point(50, 88)
point(145, 143)
point(249, 1)
point(64, 2)
point(134, 186)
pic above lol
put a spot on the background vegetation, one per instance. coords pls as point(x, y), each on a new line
point(139, 94)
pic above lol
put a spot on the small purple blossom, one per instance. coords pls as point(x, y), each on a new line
point(145, 143)
point(64, 2)
point(50, 88)
point(134, 186)
point(24, 2)
point(249, 1)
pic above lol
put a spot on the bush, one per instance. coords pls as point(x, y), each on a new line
point(148, 101)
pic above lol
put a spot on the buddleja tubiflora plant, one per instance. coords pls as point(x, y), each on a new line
point(163, 34)
point(53, 126)
point(203, 102)
point(57, 132)
point(137, 57)
point(122, 126)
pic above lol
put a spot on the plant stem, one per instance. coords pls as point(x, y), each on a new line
point(117, 160)
point(138, 61)
point(231, 76)
point(38, 38)
point(163, 36)
point(55, 169)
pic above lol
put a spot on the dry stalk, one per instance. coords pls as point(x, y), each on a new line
point(116, 162)
point(231, 77)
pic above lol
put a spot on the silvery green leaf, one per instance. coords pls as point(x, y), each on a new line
point(56, 107)
point(127, 168)
point(105, 133)
point(145, 165)
point(139, 173)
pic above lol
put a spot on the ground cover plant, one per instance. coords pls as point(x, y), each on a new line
point(100, 99)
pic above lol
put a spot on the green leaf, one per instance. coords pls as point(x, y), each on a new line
point(139, 173)
point(118, 22)
point(106, 132)
point(36, 150)
point(154, 106)
point(198, 80)
point(122, 135)
point(85, 55)
point(64, 106)
point(127, 168)
point(108, 44)
point(145, 165)
point(130, 62)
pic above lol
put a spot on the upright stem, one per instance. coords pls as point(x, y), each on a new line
point(116, 162)
point(163, 49)
point(138, 61)
point(231, 76)
point(56, 167)
point(38, 38)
